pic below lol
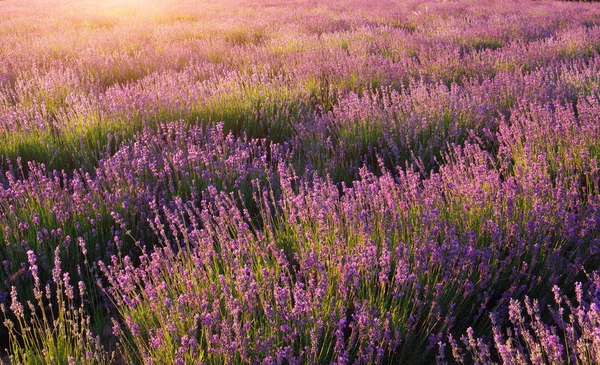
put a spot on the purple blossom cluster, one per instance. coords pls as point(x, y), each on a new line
point(341, 182)
point(572, 336)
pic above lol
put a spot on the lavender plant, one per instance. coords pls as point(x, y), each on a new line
point(569, 337)
point(52, 329)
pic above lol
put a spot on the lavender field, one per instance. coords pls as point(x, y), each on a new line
point(299, 182)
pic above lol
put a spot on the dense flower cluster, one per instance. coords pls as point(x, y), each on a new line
point(341, 182)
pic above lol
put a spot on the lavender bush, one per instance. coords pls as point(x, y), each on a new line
point(341, 182)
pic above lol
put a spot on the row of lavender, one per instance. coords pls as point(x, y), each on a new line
point(310, 272)
point(384, 191)
point(387, 270)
